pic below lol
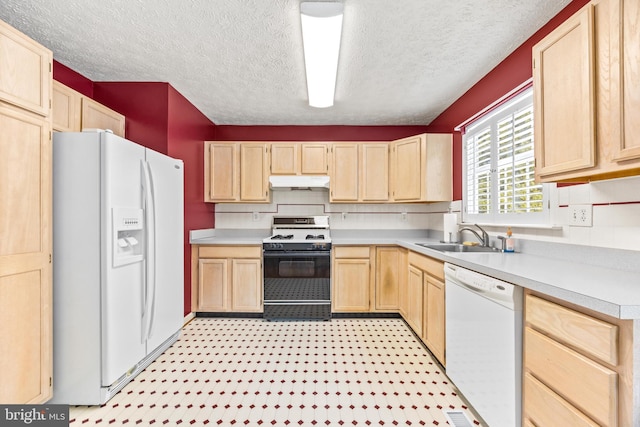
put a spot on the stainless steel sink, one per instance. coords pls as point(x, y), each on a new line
point(458, 247)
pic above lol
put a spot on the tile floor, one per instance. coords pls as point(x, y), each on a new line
point(250, 372)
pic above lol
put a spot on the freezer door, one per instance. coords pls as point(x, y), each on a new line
point(123, 344)
point(165, 287)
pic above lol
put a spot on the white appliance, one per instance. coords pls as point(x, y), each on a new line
point(117, 262)
point(484, 343)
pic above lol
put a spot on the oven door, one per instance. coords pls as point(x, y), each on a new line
point(297, 285)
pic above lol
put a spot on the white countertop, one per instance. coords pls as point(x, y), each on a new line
point(615, 292)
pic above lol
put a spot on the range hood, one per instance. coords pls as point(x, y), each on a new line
point(299, 182)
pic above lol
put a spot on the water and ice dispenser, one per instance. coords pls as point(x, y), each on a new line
point(128, 235)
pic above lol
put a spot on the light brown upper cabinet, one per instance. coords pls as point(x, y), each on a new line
point(624, 33)
point(66, 109)
point(73, 112)
point(359, 172)
point(586, 85)
point(564, 113)
point(295, 158)
point(421, 168)
point(25, 72)
point(236, 172)
point(26, 363)
point(97, 116)
point(345, 166)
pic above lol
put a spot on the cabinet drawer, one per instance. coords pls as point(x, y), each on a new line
point(584, 383)
point(593, 336)
point(351, 251)
point(546, 409)
point(230, 252)
point(432, 266)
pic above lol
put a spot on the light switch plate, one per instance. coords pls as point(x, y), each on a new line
point(581, 215)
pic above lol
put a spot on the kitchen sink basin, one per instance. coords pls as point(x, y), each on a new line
point(458, 247)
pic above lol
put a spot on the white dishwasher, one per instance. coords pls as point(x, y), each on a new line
point(484, 343)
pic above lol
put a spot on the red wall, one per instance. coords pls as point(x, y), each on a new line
point(188, 128)
point(74, 80)
point(146, 107)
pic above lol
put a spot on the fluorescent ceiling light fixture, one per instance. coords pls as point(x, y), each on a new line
point(321, 30)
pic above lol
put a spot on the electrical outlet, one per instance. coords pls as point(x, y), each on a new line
point(581, 215)
point(403, 216)
point(344, 216)
point(256, 216)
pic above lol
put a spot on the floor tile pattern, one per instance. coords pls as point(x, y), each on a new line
point(251, 372)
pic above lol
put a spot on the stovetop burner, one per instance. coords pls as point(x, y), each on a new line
point(299, 233)
point(314, 237)
point(282, 237)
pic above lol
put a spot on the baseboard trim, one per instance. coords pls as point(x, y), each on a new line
point(188, 318)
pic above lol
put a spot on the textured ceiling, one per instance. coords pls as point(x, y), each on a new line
point(402, 62)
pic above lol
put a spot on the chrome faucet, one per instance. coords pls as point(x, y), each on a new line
point(484, 240)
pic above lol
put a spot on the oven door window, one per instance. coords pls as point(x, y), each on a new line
point(291, 267)
point(296, 268)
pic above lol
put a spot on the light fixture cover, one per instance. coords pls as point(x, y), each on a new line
point(321, 32)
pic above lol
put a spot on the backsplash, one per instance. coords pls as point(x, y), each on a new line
point(615, 207)
point(341, 215)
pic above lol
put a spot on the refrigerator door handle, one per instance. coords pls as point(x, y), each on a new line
point(150, 276)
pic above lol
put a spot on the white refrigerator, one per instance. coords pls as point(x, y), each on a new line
point(117, 262)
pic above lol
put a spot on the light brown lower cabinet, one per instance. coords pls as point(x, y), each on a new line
point(577, 366)
point(415, 291)
point(390, 272)
point(229, 279)
point(351, 284)
point(426, 302)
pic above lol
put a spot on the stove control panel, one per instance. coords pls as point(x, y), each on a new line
point(296, 247)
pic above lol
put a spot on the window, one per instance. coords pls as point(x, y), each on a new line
point(499, 167)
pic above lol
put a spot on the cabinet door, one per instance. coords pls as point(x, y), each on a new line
point(254, 172)
point(625, 78)
point(351, 285)
point(564, 103)
point(344, 172)
point(407, 168)
point(374, 172)
point(388, 276)
point(25, 71)
point(314, 159)
point(221, 172)
point(434, 326)
point(403, 287)
point(97, 116)
point(25, 256)
point(66, 108)
point(438, 173)
point(285, 159)
point(246, 285)
point(213, 284)
point(414, 292)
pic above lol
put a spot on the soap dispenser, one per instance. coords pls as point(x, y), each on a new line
point(509, 244)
